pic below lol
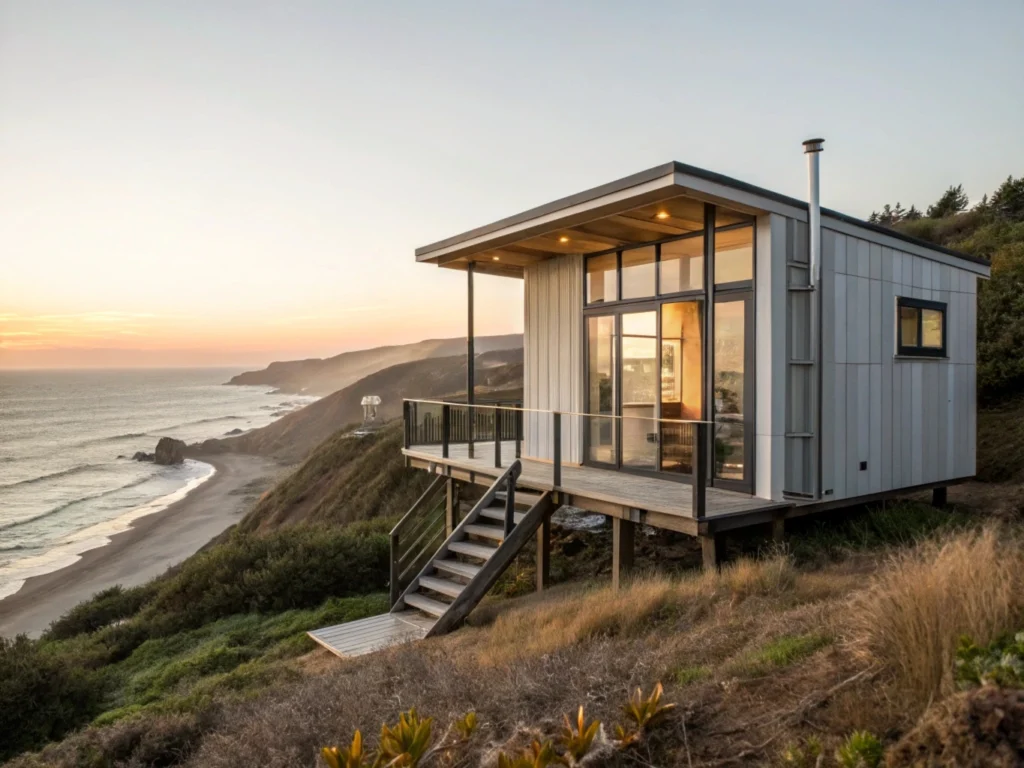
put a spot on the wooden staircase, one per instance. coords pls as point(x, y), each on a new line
point(458, 575)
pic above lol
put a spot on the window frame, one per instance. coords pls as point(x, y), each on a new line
point(903, 350)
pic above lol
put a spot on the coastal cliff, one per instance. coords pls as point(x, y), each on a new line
point(323, 376)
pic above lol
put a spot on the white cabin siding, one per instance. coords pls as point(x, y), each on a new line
point(912, 420)
point(553, 355)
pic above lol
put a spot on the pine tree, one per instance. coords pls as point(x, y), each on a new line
point(898, 213)
point(886, 217)
point(912, 215)
point(953, 201)
point(1008, 200)
point(873, 218)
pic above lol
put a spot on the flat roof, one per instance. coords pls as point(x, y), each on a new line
point(667, 177)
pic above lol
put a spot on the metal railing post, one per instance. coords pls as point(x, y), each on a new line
point(470, 419)
point(517, 426)
point(510, 505)
point(556, 453)
point(446, 429)
point(700, 471)
point(394, 588)
point(406, 410)
point(497, 436)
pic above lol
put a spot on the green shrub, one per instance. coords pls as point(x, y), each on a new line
point(42, 696)
point(784, 651)
point(1000, 663)
point(860, 750)
point(103, 609)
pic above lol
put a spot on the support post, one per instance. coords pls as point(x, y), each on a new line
point(556, 450)
point(778, 529)
point(713, 549)
point(451, 506)
point(497, 436)
point(544, 554)
point(470, 354)
point(623, 541)
point(406, 413)
point(939, 498)
point(698, 491)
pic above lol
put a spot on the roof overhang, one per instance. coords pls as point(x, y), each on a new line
point(652, 205)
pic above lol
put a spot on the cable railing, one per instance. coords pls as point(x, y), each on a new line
point(498, 434)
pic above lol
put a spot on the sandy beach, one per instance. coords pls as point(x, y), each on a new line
point(147, 549)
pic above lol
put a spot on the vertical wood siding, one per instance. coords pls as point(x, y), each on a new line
point(913, 421)
point(553, 355)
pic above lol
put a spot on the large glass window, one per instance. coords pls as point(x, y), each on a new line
point(601, 395)
point(734, 255)
point(638, 273)
point(730, 363)
point(682, 265)
point(922, 328)
point(602, 278)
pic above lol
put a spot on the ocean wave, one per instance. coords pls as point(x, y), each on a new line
point(211, 420)
point(63, 473)
point(61, 507)
point(14, 548)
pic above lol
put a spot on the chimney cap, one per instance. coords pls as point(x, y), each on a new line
point(813, 145)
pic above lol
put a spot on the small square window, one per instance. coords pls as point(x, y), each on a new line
point(921, 330)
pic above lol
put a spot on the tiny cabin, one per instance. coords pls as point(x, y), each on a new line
point(700, 355)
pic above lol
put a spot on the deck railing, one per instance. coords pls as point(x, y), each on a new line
point(496, 433)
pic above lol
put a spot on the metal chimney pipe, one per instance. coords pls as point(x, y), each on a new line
point(813, 148)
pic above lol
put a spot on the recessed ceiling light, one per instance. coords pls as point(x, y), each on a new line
point(662, 214)
point(496, 258)
point(563, 239)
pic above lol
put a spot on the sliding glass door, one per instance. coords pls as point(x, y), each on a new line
point(644, 365)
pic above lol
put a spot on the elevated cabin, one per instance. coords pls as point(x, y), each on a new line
point(701, 355)
point(677, 298)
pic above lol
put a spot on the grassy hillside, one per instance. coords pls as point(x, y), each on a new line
point(343, 480)
point(768, 663)
point(293, 436)
point(321, 377)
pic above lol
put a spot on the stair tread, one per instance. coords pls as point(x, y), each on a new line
point(426, 604)
point(444, 586)
point(480, 551)
point(495, 532)
point(466, 570)
point(498, 513)
point(523, 498)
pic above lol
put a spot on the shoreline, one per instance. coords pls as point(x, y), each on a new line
point(148, 547)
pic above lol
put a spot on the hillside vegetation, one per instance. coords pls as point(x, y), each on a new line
point(321, 377)
point(993, 230)
point(293, 436)
point(344, 479)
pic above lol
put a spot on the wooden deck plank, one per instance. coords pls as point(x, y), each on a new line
point(355, 638)
point(652, 494)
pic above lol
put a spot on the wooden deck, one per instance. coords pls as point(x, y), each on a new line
point(356, 638)
point(659, 502)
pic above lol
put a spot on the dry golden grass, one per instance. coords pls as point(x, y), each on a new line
point(551, 625)
point(910, 620)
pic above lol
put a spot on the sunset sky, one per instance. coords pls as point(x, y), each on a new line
point(197, 183)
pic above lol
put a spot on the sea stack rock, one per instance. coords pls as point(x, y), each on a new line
point(169, 451)
point(143, 456)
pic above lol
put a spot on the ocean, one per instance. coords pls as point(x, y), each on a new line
point(67, 480)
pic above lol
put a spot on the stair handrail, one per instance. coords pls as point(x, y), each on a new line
point(394, 538)
point(507, 478)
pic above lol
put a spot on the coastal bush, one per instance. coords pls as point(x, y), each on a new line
point(103, 609)
point(999, 663)
point(296, 567)
point(42, 695)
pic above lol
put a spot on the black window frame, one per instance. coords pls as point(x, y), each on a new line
point(919, 350)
